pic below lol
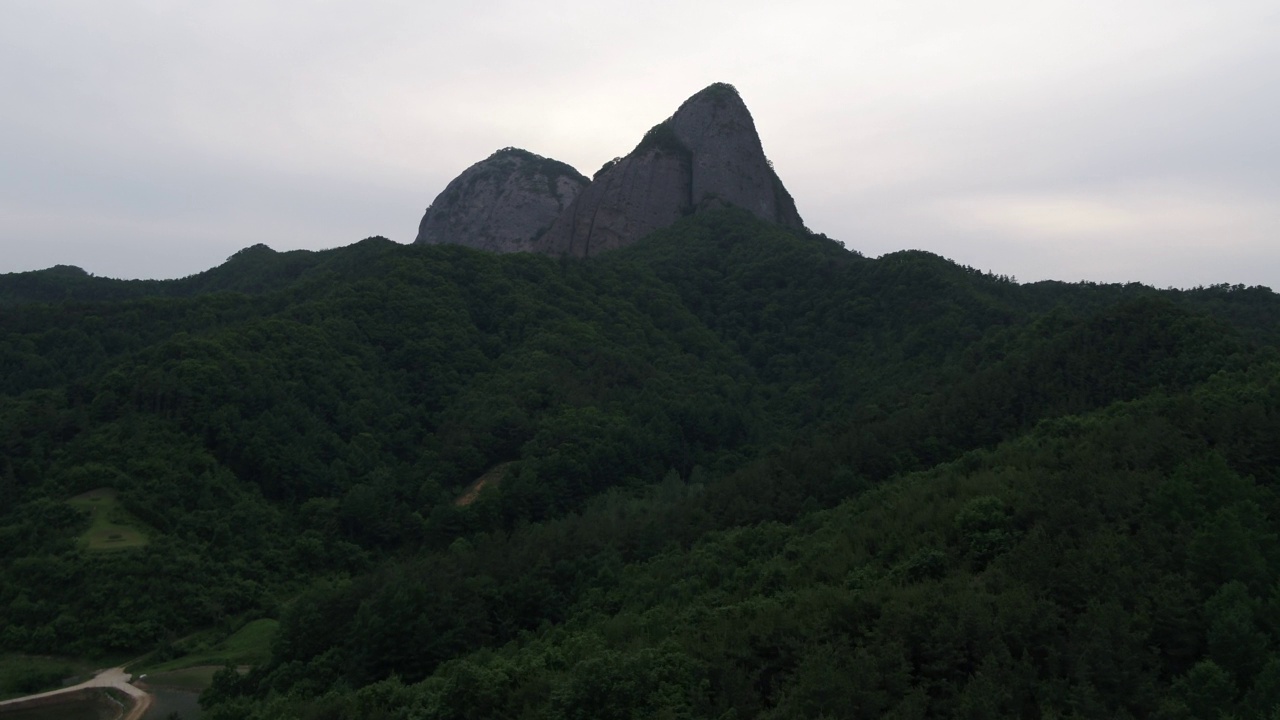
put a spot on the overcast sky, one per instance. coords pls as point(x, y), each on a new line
point(1105, 140)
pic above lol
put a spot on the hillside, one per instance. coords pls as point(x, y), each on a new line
point(745, 466)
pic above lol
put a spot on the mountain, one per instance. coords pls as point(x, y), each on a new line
point(735, 470)
point(706, 155)
point(732, 469)
point(502, 203)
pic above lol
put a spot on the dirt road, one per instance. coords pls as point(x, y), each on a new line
point(111, 678)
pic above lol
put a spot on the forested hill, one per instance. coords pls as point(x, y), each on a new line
point(254, 270)
point(731, 471)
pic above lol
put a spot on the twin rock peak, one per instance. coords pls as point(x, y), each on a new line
point(707, 155)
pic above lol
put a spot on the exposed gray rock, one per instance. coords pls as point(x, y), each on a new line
point(729, 164)
point(706, 155)
point(503, 203)
point(638, 194)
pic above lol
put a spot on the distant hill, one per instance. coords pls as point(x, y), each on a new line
point(253, 270)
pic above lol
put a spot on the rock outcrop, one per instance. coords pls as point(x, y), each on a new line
point(503, 203)
point(628, 199)
point(706, 155)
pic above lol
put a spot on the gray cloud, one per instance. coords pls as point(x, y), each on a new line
point(1071, 140)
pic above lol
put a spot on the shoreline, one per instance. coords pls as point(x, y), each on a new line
point(105, 680)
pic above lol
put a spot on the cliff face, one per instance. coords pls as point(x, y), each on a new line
point(502, 203)
point(729, 164)
point(707, 154)
point(638, 194)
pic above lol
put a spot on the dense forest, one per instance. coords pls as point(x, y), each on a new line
point(730, 471)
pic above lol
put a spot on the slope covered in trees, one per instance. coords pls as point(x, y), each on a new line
point(1116, 564)
point(746, 472)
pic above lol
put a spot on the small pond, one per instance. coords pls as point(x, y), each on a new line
point(98, 706)
point(171, 700)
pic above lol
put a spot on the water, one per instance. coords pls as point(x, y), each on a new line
point(97, 707)
point(165, 702)
point(170, 700)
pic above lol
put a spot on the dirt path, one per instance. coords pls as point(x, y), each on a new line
point(492, 477)
point(111, 678)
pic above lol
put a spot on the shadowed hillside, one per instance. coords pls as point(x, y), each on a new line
point(741, 466)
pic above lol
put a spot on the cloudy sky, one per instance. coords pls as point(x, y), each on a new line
point(1104, 140)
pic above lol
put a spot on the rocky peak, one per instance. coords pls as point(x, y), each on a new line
point(729, 164)
point(706, 155)
point(502, 203)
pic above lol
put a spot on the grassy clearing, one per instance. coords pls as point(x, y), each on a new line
point(27, 674)
point(111, 528)
point(250, 645)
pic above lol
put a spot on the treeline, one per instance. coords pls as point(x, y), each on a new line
point(1120, 564)
point(292, 432)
